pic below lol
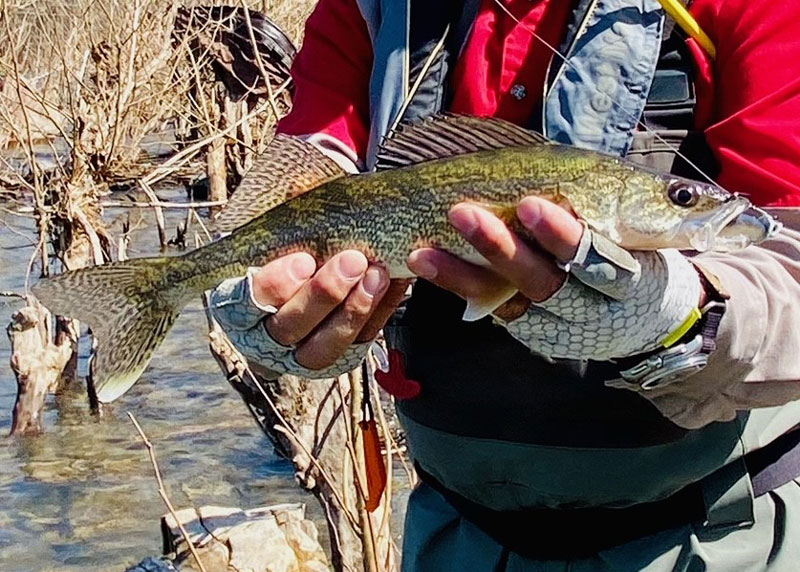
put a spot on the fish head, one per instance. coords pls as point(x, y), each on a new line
point(640, 209)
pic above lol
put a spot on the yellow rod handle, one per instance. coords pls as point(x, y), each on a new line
point(688, 24)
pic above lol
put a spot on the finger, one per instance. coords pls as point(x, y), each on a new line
point(453, 274)
point(332, 338)
point(279, 280)
point(532, 271)
point(386, 307)
point(317, 298)
point(554, 229)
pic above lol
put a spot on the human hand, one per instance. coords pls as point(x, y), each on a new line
point(529, 267)
point(612, 304)
point(300, 319)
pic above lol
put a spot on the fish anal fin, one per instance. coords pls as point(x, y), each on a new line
point(289, 167)
point(448, 135)
point(478, 308)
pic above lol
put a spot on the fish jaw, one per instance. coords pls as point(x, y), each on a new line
point(738, 226)
point(752, 226)
point(702, 232)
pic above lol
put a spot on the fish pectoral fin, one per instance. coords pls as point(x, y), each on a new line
point(288, 167)
point(478, 308)
point(504, 211)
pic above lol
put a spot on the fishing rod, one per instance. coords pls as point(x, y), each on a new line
point(686, 21)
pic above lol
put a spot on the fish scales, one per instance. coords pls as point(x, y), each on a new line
point(387, 214)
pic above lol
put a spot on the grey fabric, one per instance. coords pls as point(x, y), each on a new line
point(507, 476)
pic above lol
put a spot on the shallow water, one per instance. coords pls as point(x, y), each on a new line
point(82, 496)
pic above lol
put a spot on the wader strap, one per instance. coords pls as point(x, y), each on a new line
point(729, 492)
point(776, 464)
point(574, 533)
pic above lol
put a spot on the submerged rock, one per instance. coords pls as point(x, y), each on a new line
point(268, 539)
point(151, 564)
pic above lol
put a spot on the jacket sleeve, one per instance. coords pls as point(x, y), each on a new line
point(756, 360)
point(331, 76)
point(754, 132)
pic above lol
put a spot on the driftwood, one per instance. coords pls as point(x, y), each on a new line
point(218, 539)
point(274, 539)
point(44, 349)
point(38, 360)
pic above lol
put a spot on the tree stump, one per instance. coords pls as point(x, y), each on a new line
point(37, 362)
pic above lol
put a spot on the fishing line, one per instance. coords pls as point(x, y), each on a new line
point(630, 115)
point(437, 49)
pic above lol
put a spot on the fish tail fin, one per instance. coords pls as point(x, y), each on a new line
point(130, 306)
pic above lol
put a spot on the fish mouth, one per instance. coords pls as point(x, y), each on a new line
point(736, 225)
point(704, 233)
point(752, 226)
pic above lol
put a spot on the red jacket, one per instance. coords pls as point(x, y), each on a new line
point(748, 98)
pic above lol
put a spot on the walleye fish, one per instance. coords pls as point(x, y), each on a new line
point(424, 169)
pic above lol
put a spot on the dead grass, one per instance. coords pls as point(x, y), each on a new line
point(83, 85)
point(102, 75)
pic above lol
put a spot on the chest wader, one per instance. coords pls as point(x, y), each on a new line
point(515, 443)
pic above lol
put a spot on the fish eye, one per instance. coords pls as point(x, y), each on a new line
point(682, 195)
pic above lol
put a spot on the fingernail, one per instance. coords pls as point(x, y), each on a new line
point(529, 212)
point(421, 266)
point(464, 219)
point(373, 282)
point(301, 267)
point(351, 266)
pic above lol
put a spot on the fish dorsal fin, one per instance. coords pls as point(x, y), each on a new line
point(288, 167)
point(447, 135)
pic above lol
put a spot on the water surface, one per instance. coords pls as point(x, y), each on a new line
point(82, 496)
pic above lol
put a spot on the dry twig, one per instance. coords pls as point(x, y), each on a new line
point(163, 491)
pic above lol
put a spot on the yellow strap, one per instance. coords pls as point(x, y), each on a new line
point(681, 330)
point(688, 24)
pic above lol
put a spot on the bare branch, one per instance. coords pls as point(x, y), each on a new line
point(163, 491)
